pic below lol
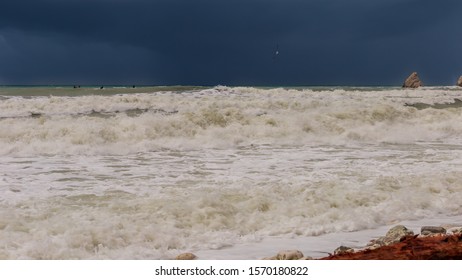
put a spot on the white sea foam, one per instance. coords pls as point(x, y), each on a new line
point(151, 175)
point(123, 124)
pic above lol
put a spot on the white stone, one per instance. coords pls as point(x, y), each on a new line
point(289, 255)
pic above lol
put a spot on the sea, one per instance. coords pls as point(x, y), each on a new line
point(222, 172)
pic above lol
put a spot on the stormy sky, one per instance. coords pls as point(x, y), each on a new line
point(230, 42)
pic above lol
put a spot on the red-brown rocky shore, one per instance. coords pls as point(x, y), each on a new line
point(399, 243)
point(441, 247)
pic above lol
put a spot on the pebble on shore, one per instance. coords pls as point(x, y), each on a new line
point(287, 255)
point(186, 256)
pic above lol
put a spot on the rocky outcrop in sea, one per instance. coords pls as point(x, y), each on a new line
point(459, 81)
point(413, 81)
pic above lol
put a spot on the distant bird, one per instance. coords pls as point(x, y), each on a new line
point(276, 53)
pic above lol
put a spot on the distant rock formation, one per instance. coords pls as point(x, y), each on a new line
point(412, 81)
point(459, 82)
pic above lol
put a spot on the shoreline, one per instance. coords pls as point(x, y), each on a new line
point(317, 247)
point(433, 243)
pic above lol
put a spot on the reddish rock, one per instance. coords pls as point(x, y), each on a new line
point(445, 247)
point(412, 81)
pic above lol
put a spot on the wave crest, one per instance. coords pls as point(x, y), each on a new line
point(223, 117)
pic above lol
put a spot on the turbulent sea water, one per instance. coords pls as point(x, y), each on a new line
point(150, 172)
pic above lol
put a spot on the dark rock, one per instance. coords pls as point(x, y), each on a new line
point(459, 82)
point(426, 230)
point(412, 81)
point(343, 250)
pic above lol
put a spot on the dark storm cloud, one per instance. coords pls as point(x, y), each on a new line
point(229, 42)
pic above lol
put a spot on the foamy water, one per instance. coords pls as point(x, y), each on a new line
point(151, 174)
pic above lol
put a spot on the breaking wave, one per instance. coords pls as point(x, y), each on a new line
point(225, 117)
